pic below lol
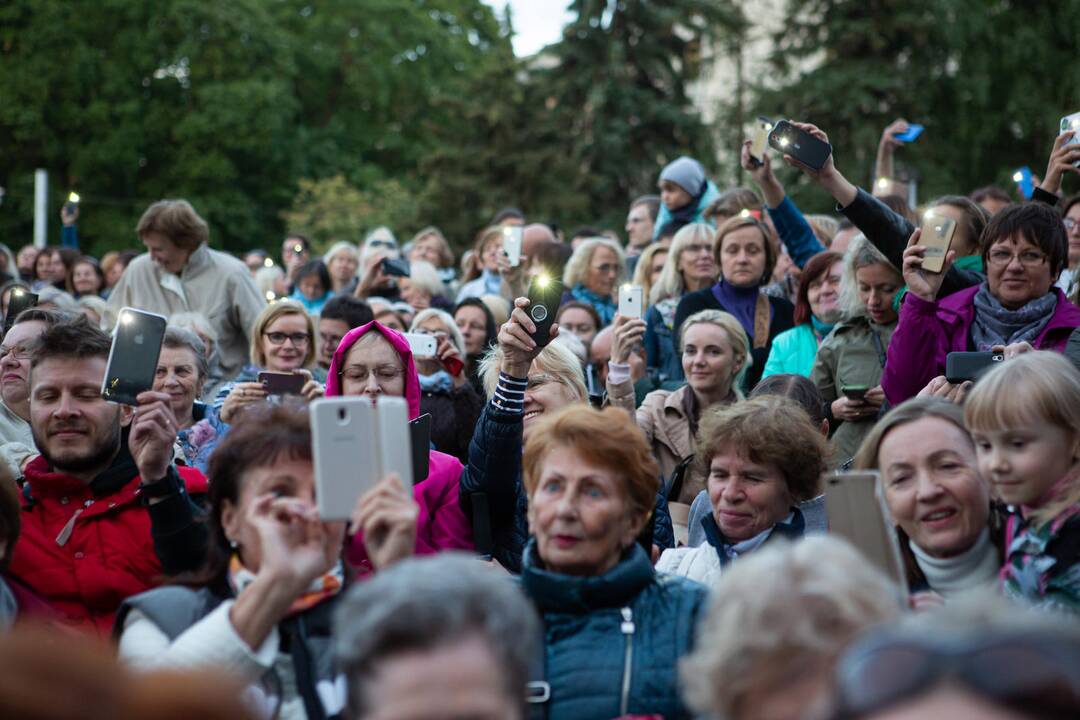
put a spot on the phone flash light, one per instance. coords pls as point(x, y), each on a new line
point(784, 142)
point(270, 296)
point(768, 126)
point(126, 318)
point(17, 292)
point(744, 213)
point(73, 197)
point(1018, 176)
point(507, 231)
point(298, 248)
point(268, 263)
point(542, 280)
point(883, 183)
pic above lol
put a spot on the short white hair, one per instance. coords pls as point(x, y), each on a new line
point(196, 322)
point(100, 308)
point(426, 277)
point(671, 283)
point(785, 609)
point(265, 277)
point(443, 317)
point(340, 247)
point(557, 360)
point(578, 264)
point(575, 344)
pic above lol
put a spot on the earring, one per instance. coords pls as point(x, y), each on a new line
point(233, 544)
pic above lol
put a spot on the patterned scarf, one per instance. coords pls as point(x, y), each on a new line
point(605, 307)
point(326, 586)
point(997, 325)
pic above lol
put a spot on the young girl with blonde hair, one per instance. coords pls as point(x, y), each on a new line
point(1025, 419)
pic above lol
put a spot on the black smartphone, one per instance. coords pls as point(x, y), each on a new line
point(963, 366)
point(420, 440)
point(395, 268)
point(133, 357)
point(855, 392)
point(787, 139)
point(282, 383)
point(18, 300)
point(545, 292)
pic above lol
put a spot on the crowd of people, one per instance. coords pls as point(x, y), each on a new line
point(576, 546)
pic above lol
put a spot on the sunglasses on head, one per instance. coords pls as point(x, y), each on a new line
point(1033, 672)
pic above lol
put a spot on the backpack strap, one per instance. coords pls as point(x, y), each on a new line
point(538, 690)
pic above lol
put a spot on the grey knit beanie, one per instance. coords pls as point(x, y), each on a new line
point(687, 173)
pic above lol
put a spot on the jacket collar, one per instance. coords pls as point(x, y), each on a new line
point(42, 480)
point(197, 262)
point(555, 592)
point(715, 537)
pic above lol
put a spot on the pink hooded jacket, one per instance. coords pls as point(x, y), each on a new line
point(441, 524)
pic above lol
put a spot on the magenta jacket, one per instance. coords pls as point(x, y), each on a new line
point(441, 524)
point(927, 332)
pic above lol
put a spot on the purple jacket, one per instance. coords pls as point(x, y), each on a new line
point(927, 332)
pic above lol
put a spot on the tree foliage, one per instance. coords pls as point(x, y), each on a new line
point(990, 82)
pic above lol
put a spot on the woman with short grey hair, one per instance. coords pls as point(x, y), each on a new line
point(776, 623)
point(443, 635)
point(181, 372)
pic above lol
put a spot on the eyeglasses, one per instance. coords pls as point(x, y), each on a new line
point(1069, 223)
point(18, 352)
point(384, 374)
point(279, 338)
point(1027, 258)
point(1024, 670)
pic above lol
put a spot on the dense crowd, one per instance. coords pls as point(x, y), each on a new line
point(574, 546)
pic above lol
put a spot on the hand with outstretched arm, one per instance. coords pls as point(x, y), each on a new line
point(883, 167)
point(796, 234)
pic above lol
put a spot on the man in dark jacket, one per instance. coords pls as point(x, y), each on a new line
point(98, 495)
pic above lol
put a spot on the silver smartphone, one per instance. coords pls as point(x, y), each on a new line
point(422, 345)
point(343, 444)
point(855, 506)
point(631, 301)
point(513, 236)
point(133, 357)
point(1072, 122)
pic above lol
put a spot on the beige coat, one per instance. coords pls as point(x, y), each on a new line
point(213, 283)
point(663, 420)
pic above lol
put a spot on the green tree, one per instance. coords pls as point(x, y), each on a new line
point(989, 82)
point(613, 106)
point(331, 209)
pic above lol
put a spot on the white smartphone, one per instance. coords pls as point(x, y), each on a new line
point(631, 301)
point(512, 238)
point(855, 506)
point(1072, 122)
point(343, 445)
point(422, 345)
point(395, 446)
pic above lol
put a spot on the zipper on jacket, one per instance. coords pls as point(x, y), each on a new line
point(65, 532)
point(627, 628)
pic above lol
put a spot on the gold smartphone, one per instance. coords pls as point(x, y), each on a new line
point(759, 140)
point(937, 236)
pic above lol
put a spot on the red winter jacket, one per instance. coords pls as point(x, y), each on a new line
point(106, 554)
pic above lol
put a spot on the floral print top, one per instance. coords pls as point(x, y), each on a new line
point(1042, 566)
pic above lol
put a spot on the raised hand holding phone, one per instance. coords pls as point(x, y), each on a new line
point(133, 357)
point(153, 432)
point(516, 339)
point(386, 515)
point(795, 141)
point(921, 283)
point(1064, 158)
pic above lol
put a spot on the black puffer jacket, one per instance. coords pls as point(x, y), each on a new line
point(494, 468)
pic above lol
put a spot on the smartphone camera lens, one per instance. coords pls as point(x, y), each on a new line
point(538, 313)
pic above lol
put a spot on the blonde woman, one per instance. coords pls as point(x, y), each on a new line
point(715, 359)
point(689, 266)
point(430, 245)
point(649, 266)
point(850, 361)
point(423, 288)
point(282, 341)
point(593, 274)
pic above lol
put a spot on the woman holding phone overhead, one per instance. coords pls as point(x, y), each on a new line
point(1024, 249)
point(373, 360)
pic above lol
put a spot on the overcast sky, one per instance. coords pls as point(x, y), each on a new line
point(536, 22)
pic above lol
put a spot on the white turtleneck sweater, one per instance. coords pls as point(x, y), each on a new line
point(974, 568)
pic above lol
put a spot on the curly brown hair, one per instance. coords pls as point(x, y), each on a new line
point(769, 430)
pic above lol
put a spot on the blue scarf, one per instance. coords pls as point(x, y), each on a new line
point(605, 307)
point(821, 329)
point(994, 324)
point(439, 382)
